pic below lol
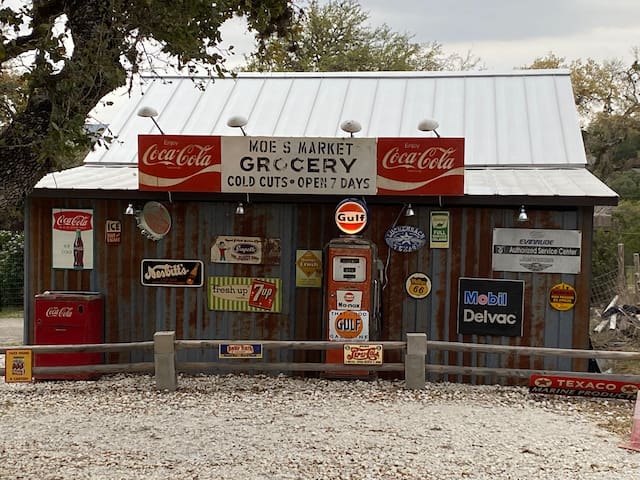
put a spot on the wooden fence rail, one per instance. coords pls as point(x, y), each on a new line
point(165, 365)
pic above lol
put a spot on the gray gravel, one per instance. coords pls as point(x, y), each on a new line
point(257, 427)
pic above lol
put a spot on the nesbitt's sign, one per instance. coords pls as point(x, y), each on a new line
point(490, 307)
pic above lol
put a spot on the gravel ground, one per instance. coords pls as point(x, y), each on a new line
point(258, 427)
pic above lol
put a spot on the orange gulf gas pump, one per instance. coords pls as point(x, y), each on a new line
point(352, 284)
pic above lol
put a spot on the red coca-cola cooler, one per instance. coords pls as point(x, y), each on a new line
point(64, 318)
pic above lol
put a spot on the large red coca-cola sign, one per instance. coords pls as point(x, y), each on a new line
point(420, 166)
point(179, 163)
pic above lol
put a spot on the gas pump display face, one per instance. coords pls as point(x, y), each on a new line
point(349, 269)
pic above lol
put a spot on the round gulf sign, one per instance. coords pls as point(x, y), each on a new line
point(351, 216)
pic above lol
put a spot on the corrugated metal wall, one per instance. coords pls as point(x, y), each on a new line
point(134, 312)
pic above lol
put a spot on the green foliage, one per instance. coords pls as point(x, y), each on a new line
point(66, 69)
point(11, 268)
point(335, 37)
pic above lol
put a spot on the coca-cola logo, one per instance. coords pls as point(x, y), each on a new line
point(432, 158)
point(72, 220)
point(59, 312)
point(174, 155)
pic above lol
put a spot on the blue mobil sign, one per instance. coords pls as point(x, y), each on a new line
point(490, 307)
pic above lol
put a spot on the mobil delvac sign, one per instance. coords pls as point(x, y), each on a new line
point(490, 307)
point(301, 165)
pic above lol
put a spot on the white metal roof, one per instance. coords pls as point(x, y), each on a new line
point(512, 120)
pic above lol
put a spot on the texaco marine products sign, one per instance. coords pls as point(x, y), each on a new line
point(490, 307)
point(301, 165)
point(536, 250)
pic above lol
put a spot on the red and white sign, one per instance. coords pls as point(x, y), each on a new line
point(351, 216)
point(179, 163)
point(72, 238)
point(72, 220)
point(420, 166)
point(262, 294)
point(581, 386)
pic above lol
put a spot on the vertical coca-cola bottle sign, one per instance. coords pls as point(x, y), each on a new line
point(72, 238)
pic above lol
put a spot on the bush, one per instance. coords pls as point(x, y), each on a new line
point(11, 268)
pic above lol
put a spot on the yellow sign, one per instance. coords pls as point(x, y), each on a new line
point(562, 296)
point(18, 366)
point(309, 268)
point(418, 285)
point(362, 354)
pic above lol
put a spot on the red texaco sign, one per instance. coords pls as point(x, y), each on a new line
point(420, 166)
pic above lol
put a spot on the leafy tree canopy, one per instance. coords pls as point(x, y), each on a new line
point(336, 37)
point(70, 53)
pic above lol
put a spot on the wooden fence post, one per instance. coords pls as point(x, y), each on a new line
point(414, 362)
point(165, 360)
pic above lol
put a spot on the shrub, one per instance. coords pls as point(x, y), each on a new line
point(11, 268)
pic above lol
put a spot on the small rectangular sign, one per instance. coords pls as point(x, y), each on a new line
point(240, 350)
point(309, 268)
point(245, 294)
point(156, 272)
point(18, 366)
point(439, 230)
point(112, 232)
point(247, 250)
point(362, 354)
point(584, 387)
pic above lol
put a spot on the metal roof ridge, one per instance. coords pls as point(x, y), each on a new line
point(376, 74)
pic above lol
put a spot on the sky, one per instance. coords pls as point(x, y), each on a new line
point(505, 34)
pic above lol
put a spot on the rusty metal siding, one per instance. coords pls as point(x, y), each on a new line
point(133, 312)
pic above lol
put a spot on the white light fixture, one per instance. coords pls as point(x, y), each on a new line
point(429, 125)
point(351, 126)
point(150, 112)
point(522, 216)
point(240, 209)
point(238, 121)
point(409, 212)
point(130, 210)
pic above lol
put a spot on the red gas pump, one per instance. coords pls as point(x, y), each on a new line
point(352, 284)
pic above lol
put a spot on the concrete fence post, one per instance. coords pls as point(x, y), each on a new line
point(415, 359)
point(165, 360)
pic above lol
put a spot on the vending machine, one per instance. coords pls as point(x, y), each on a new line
point(352, 291)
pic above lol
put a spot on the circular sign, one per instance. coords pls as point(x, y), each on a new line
point(418, 285)
point(154, 220)
point(348, 324)
point(351, 216)
point(562, 297)
point(405, 238)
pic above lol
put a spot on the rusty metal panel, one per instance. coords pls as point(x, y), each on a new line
point(134, 312)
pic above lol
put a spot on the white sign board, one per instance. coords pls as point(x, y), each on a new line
point(536, 250)
point(320, 166)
